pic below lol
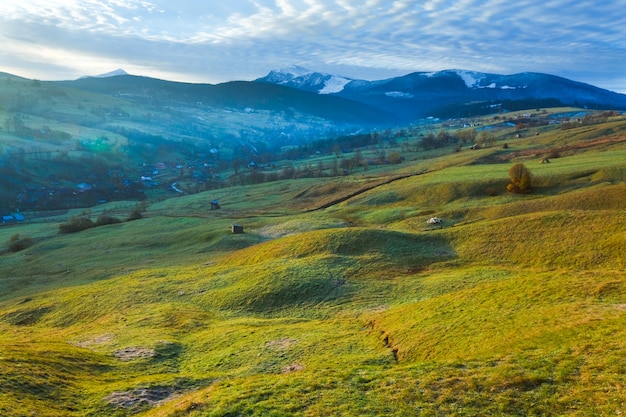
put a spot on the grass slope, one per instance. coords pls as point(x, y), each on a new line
point(516, 307)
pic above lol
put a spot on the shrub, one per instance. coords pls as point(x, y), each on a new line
point(395, 158)
point(76, 224)
point(492, 191)
point(521, 179)
point(104, 219)
point(137, 212)
point(554, 153)
point(17, 243)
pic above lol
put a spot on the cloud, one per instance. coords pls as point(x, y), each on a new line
point(243, 39)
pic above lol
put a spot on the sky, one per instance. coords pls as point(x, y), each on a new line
point(204, 41)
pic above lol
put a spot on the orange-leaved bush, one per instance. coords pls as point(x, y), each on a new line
point(521, 179)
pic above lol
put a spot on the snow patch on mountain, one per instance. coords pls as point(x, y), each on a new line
point(470, 78)
point(493, 85)
point(398, 94)
point(113, 73)
point(334, 85)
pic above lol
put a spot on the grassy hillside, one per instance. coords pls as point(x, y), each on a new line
point(129, 136)
point(338, 298)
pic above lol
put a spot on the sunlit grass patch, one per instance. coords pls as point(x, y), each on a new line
point(515, 306)
point(296, 225)
point(530, 310)
point(570, 239)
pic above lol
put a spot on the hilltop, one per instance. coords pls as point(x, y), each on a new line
point(113, 73)
point(339, 298)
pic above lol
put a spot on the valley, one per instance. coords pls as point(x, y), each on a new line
point(339, 297)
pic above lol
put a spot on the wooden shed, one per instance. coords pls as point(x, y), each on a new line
point(237, 228)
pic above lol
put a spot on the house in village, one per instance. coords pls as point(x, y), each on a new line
point(83, 187)
point(13, 218)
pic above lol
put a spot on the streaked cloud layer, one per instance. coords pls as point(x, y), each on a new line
point(195, 41)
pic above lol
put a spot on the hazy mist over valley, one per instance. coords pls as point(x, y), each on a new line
point(123, 136)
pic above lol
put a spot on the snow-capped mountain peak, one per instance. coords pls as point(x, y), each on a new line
point(304, 79)
point(294, 71)
point(285, 75)
point(113, 73)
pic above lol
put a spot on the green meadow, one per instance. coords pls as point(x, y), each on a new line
point(338, 299)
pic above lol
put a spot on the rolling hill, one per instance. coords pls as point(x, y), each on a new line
point(338, 298)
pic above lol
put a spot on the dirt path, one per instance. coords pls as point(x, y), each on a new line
point(363, 190)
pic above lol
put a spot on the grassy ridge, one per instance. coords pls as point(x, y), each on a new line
point(517, 306)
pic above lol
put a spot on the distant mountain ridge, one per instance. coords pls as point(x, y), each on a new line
point(451, 93)
point(299, 103)
point(398, 100)
point(234, 95)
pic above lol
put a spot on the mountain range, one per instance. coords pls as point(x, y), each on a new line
point(290, 106)
point(450, 93)
point(342, 101)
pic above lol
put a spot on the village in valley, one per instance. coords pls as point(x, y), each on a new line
point(63, 180)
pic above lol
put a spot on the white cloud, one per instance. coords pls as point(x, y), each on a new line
point(245, 38)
